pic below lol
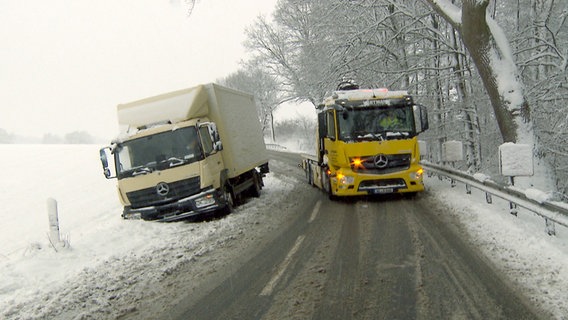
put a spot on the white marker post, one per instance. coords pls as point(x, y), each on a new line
point(423, 148)
point(515, 160)
point(452, 151)
point(53, 223)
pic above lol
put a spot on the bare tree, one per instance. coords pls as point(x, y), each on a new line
point(295, 49)
point(5, 137)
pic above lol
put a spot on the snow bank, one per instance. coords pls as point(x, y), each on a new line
point(107, 255)
point(113, 262)
point(518, 246)
point(537, 195)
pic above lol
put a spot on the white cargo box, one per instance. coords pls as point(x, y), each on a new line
point(237, 120)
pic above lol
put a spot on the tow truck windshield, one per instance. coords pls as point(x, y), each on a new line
point(375, 123)
point(158, 152)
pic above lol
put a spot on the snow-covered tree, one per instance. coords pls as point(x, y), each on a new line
point(5, 137)
point(78, 137)
point(293, 50)
point(539, 39)
point(484, 88)
point(493, 57)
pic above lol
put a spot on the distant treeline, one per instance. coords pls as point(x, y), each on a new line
point(76, 137)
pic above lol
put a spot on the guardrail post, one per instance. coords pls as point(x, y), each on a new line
point(488, 198)
point(550, 227)
point(452, 181)
point(512, 206)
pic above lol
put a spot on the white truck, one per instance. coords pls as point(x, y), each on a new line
point(186, 153)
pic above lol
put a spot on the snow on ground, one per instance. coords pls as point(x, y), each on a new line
point(107, 253)
point(519, 246)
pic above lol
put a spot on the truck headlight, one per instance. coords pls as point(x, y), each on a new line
point(206, 200)
point(417, 175)
point(346, 179)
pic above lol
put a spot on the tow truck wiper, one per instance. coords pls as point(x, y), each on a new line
point(380, 136)
point(174, 162)
point(141, 170)
point(371, 136)
point(398, 134)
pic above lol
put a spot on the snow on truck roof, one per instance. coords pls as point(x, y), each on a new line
point(365, 94)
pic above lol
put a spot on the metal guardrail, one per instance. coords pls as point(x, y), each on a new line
point(552, 213)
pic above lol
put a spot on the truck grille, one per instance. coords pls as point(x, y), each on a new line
point(394, 163)
point(382, 184)
point(177, 190)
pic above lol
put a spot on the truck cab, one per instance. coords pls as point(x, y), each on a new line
point(367, 143)
point(167, 170)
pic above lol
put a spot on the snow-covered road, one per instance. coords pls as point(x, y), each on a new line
point(111, 263)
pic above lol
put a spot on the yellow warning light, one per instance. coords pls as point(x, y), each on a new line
point(356, 163)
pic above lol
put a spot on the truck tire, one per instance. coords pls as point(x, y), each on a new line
point(257, 185)
point(229, 199)
point(332, 197)
point(326, 182)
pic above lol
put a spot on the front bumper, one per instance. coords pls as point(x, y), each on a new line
point(357, 184)
point(199, 204)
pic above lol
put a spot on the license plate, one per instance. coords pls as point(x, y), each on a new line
point(381, 191)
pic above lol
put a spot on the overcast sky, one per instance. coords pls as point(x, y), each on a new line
point(66, 64)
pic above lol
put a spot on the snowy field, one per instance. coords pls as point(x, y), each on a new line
point(107, 254)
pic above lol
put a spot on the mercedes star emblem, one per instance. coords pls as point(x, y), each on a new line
point(162, 188)
point(381, 161)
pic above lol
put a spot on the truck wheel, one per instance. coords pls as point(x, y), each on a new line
point(327, 186)
point(255, 189)
point(229, 200)
point(310, 175)
point(330, 193)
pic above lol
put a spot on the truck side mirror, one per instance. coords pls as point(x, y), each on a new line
point(210, 138)
point(104, 152)
point(215, 138)
point(420, 118)
point(218, 146)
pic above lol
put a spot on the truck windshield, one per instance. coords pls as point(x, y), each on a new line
point(158, 152)
point(375, 123)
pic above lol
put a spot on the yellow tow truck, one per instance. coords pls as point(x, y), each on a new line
point(367, 143)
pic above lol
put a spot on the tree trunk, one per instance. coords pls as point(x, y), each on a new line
point(482, 46)
point(509, 104)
